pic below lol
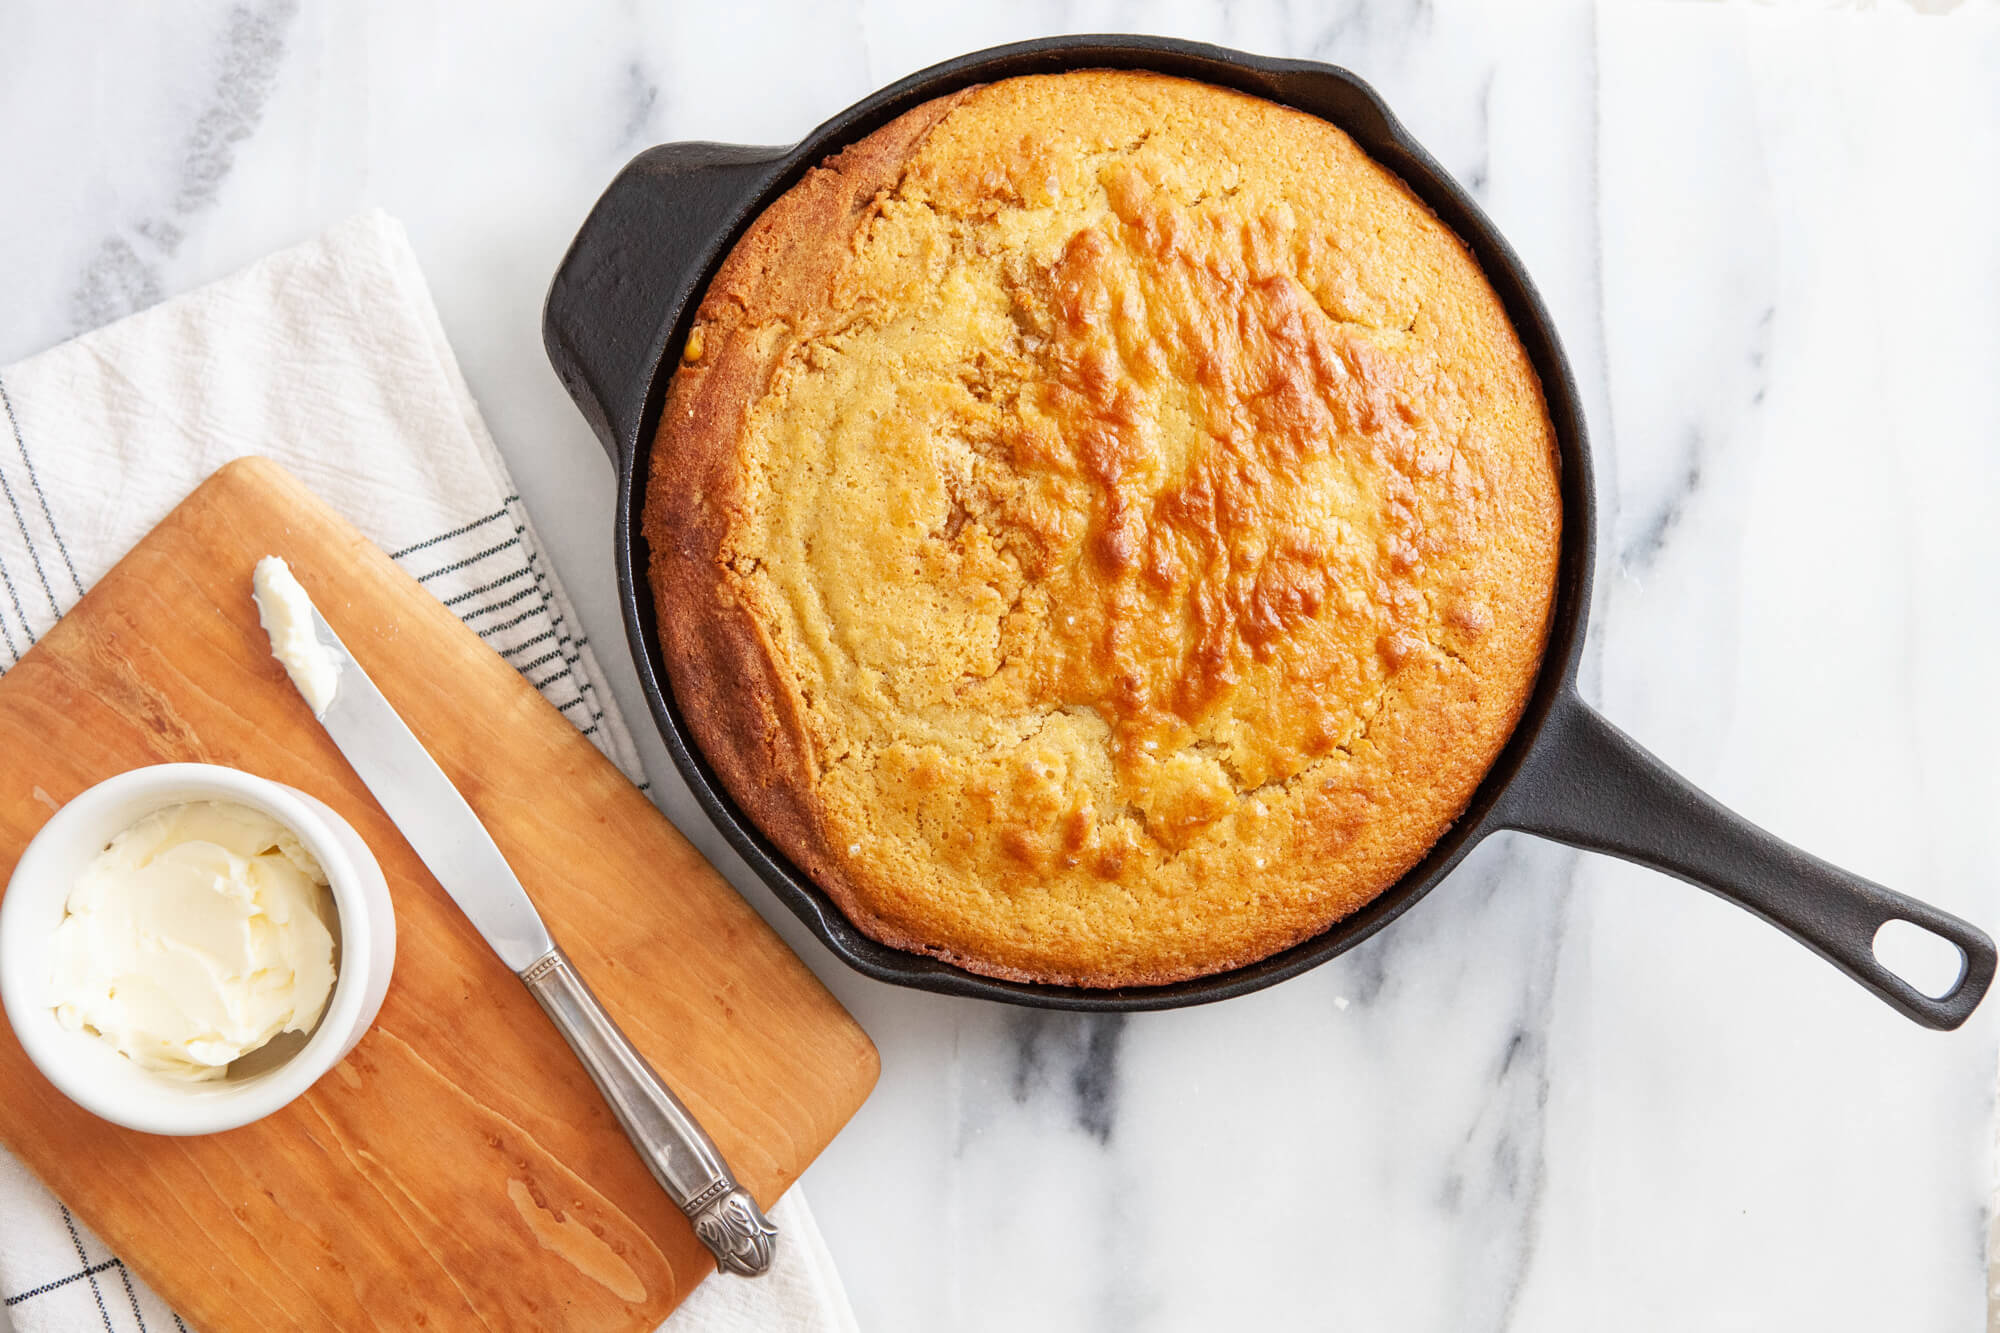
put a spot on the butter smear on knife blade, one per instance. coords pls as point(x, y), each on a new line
point(286, 611)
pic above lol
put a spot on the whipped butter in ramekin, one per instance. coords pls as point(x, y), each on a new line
point(196, 936)
point(186, 948)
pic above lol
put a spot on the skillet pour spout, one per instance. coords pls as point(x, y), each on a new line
point(618, 313)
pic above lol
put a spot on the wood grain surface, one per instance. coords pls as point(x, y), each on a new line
point(458, 1169)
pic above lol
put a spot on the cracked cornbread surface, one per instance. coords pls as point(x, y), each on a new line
point(1103, 528)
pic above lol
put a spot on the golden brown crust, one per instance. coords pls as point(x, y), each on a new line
point(744, 713)
point(1103, 528)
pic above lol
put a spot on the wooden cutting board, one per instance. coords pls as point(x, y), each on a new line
point(458, 1169)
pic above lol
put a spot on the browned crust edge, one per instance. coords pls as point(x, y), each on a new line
point(744, 711)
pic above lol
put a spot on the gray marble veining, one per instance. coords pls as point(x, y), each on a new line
point(121, 277)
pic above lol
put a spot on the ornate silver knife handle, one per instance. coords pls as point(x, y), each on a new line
point(670, 1140)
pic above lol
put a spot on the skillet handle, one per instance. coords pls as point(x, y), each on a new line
point(1588, 784)
point(618, 294)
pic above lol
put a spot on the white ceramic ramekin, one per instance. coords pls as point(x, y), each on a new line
point(87, 1069)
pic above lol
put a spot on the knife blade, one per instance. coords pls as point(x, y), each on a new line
point(429, 811)
point(455, 847)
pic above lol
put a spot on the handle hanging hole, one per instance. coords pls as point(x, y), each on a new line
point(1929, 962)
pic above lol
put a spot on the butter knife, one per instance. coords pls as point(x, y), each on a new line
point(456, 848)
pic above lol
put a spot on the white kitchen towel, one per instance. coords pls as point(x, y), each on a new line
point(329, 358)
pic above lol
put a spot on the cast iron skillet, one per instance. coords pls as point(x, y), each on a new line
point(619, 309)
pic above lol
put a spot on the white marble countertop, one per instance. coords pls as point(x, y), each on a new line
point(1563, 1094)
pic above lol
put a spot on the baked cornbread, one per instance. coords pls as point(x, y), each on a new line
point(1103, 528)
